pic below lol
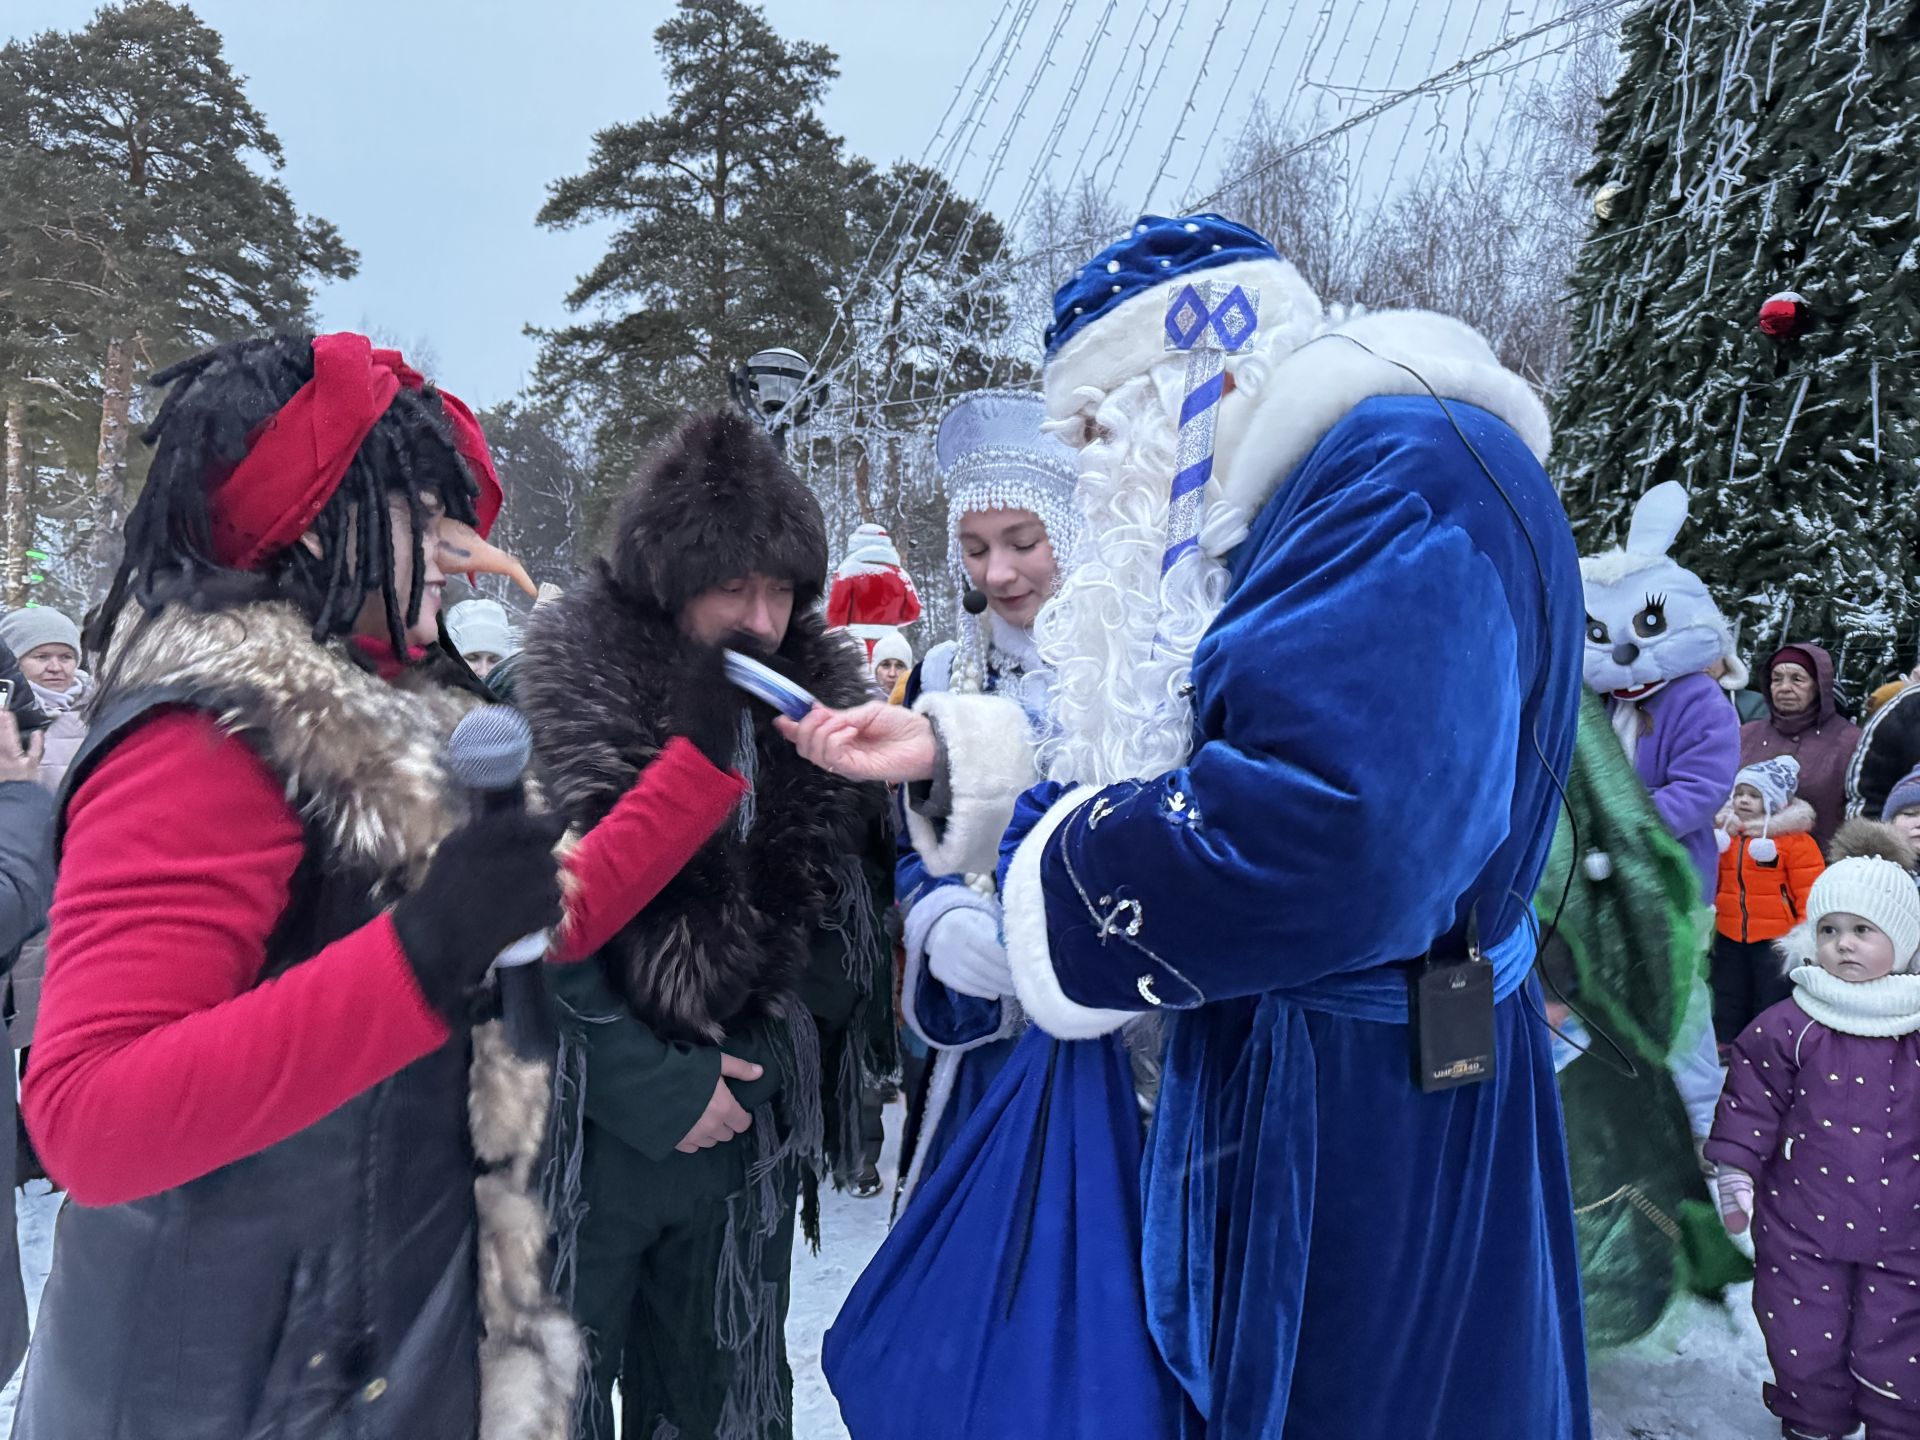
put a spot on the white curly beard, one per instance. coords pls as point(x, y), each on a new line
point(1118, 637)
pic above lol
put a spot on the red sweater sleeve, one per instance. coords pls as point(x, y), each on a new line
point(644, 841)
point(156, 1058)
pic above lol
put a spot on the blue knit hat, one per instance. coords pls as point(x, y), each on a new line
point(1904, 796)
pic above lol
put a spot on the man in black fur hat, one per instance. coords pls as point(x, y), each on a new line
point(695, 1111)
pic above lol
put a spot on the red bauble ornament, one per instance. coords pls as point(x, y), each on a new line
point(1785, 316)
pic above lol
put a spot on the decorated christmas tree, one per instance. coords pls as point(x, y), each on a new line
point(1747, 315)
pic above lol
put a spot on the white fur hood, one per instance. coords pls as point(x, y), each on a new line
point(1308, 390)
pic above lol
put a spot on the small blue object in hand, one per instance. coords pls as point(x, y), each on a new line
point(764, 683)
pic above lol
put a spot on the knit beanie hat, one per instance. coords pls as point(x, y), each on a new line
point(1876, 890)
point(1777, 779)
point(480, 627)
point(892, 645)
point(28, 629)
point(1903, 796)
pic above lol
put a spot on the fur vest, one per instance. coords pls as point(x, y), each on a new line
point(728, 938)
point(362, 763)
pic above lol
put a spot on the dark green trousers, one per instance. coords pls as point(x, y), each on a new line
point(645, 1291)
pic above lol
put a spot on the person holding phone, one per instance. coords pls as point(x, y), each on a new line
point(26, 889)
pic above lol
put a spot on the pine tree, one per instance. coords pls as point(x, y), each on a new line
point(546, 479)
point(732, 216)
point(927, 321)
point(1753, 149)
point(132, 220)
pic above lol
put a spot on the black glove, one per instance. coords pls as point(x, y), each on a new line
point(491, 882)
point(705, 706)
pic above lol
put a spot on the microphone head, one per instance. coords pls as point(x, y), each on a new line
point(490, 748)
point(975, 601)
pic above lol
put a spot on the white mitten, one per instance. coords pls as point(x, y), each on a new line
point(1734, 1189)
point(964, 953)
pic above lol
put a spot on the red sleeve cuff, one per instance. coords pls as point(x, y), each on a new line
point(648, 837)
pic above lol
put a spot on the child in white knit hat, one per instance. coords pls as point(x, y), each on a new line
point(1817, 1140)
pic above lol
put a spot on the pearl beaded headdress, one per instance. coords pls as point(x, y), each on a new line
point(993, 455)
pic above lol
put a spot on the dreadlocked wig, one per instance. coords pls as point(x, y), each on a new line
point(216, 404)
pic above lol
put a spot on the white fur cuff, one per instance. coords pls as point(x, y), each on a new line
point(1024, 915)
point(990, 760)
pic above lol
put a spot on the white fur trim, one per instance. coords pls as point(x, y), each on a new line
point(532, 1356)
point(1307, 392)
point(1129, 339)
point(1024, 910)
point(990, 759)
point(921, 918)
point(1795, 948)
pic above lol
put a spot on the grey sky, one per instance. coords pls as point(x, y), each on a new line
point(428, 131)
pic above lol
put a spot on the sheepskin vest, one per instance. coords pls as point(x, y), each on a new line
point(357, 1279)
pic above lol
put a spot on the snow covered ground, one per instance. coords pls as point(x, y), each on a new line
point(1698, 1378)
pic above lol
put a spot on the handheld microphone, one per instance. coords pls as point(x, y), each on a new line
point(974, 601)
point(487, 755)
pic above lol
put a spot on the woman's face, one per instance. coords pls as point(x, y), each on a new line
point(889, 673)
point(1009, 558)
point(1792, 689)
point(51, 667)
point(425, 628)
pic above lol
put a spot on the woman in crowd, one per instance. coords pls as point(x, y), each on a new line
point(47, 644)
point(1803, 722)
point(1015, 523)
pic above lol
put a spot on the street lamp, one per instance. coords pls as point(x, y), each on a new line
point(771, 386)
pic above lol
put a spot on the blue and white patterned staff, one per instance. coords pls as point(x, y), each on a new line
point(1209, 320)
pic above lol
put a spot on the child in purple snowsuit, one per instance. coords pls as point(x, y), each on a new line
point(1817, 1140)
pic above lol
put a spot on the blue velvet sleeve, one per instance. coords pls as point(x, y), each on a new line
point(1358, 705)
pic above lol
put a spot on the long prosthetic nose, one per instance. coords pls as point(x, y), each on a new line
point(463, 551)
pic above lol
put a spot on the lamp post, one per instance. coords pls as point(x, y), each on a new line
point(772, 386)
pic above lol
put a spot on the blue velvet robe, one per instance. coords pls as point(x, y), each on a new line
point(1328, 1252)
point(945, 1018)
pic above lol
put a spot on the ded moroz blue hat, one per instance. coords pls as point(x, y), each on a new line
point(1109, 322)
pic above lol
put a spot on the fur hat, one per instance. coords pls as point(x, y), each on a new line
point(716, 501)
point(1872, 838)
point(1903, 796)
point(1875, 890)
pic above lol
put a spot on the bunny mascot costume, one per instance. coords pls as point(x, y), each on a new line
point(1653, 632)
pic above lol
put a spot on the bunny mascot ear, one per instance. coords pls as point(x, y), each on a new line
point(1657, 519)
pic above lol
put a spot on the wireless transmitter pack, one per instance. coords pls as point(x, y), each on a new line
point(1450, 1015)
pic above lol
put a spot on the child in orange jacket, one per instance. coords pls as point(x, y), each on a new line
point(1768, 863)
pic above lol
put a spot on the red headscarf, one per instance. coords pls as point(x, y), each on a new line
point(298, 457)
